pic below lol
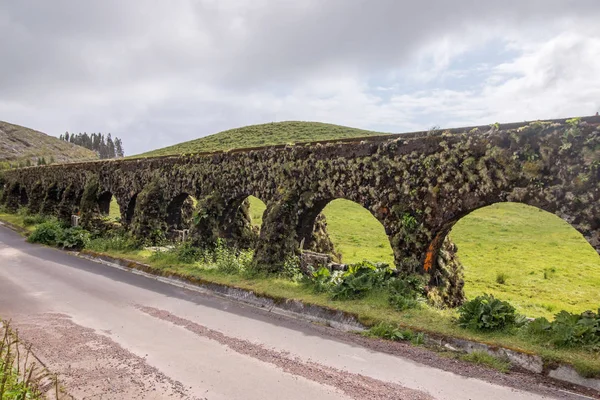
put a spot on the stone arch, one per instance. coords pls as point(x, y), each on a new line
point(313, 231)
point(439, 258)
point(235, 224)
point(104, 200)
point(180, 211)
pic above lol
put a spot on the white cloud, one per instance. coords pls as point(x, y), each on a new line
point(157, 73)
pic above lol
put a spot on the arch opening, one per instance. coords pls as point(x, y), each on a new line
point(180, 211)
point(242, 221)
point(529, 257)
point(256, 209)
point(346, 230)
point(23, 198)
point(130, 212)
point(108, 206)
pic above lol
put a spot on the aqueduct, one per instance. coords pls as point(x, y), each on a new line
point(417, 185)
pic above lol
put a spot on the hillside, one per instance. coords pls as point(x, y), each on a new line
point(19, 144)
point(263, 135)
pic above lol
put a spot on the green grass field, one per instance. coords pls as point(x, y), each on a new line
point(547, 265)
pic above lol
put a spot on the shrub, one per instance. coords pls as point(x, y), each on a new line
point(487, 313)
point(569, 330)
point(405, 292)
point(231, 261)
point(389, 331)
point(115, 242)
point(35, 219)
point(188, 254)
point(321, 280)
point(291, 269)
point(359, 279)
point(73, 238)
point(47, 233)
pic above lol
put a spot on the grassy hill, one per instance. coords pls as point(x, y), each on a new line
point(19, 144)
point(263, 135)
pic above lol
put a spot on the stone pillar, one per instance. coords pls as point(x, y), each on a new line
point(51, 201)
point(204, 231)
point(67, 204)
point(149, 221)
point(88, 207)
point(36, 199)
point(12, 197)
point(278, 239)
point(320, 241)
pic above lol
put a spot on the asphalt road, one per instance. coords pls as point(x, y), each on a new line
point(111, 334)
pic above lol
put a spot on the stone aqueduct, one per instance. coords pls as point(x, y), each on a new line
point(417, 185)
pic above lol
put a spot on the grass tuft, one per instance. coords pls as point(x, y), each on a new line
point(487, 360)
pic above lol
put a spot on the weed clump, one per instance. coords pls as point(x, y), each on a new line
point(501, 278)
point(568, 330)
point(487, 313)
point(389, 331)
point(483, 358)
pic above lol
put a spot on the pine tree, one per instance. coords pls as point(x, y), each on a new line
point(105, 147)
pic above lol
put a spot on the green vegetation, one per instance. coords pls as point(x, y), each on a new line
point(114, 213)
point(482, 358)
point(569, 330)
point(257, 209)
point(389, 331)
point(356, 234)
point(19, 375)
point(20, 146)
point(486, 313)
point(263, 135)
point(53, 233)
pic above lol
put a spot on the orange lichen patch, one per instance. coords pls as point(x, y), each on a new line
point(432, 252)
point(430, 255)
point(428, 260)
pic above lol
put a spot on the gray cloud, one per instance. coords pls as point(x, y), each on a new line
point(156, 73)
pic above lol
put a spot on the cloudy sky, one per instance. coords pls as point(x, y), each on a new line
point(157, 72)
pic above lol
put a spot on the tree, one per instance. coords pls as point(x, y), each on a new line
point(105, 147)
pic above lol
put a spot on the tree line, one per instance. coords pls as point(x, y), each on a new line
point(104, 146)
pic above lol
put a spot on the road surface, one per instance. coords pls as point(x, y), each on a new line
point(111, 334)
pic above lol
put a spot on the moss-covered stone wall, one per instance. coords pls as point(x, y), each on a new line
point(416, 185)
